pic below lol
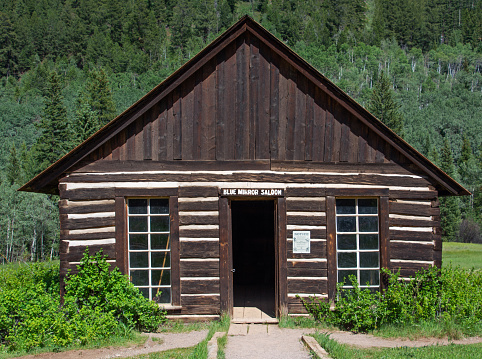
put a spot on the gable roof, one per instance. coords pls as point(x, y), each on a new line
point(47, 180)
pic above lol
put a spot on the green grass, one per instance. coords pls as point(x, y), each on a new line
point(169, 354)
point(302, 322)
point(343, 351)
point(132, 339)
point(465, 255)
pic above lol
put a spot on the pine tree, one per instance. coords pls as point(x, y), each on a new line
point(100, 97)
point(8, 38)
point(13, 168)
point(449, 206)
point(383, 106)
point(56, 136)
point(86, 121)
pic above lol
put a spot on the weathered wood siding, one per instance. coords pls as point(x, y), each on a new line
point(88, 218)
point(248, 103)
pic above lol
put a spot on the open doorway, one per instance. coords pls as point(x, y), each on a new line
point(253, 244)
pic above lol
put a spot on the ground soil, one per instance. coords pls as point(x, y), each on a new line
point(249, 341)
point(156, 342)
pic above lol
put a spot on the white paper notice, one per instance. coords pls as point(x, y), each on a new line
point(301, 241)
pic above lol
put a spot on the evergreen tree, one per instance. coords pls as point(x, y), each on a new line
point(7, 46)
point(100, 97)
point(56, 137)
point(383, 106)
point(449, 206)
point(13, 168)
point(86, 121)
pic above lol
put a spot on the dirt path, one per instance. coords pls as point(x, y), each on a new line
point(265, 341)
point(249, 341)
point(368, 340)
point(161, 342)
point(269, 341)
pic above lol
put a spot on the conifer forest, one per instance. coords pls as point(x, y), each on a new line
point(67, 67)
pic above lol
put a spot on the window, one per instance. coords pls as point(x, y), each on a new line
point(149, 247)
point(357, 242)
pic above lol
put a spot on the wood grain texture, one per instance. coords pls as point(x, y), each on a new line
point(190, 286)
point(411, 251)
point(309, 286)
point(199, 249)
point(199, 269)
point(175, 250)
point(331, 246)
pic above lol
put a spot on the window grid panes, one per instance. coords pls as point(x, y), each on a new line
point(357, 242)
point(149, 247)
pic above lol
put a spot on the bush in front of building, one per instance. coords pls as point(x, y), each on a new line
point(96, 286)
point(98, 303)
point(451, 296)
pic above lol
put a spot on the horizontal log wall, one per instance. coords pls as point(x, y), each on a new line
point(414, 232)
point(307, 273)
point(88, 216)
point(199, 241)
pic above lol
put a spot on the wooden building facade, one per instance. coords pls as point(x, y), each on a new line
point(247, 168)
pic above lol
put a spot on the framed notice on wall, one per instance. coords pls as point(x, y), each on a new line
point(301, 242)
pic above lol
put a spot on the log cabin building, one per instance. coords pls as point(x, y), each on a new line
point(247, 173)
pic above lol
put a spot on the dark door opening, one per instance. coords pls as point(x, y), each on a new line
point(253, 243)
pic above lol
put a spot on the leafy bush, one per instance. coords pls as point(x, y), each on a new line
point(448, 295)
point(95, 286)
point(98, 303)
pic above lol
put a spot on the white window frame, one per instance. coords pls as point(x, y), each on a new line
point(149, 250)
point(357, 232)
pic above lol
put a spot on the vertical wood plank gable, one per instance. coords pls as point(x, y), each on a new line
point(253, 71)
point(329, 124)
point(130, 142)
point(344, 137)
point(354, 128)
point(319, 120)
point(309, 122)
point(208, 128)
point(177, 124)
point(274, 108)
point(300, 119)
point(283, 108)
point(115, 148)
point(263, 129)
point(139, 137)
point(221, 117)
point(187, 106)
point(161, 130)
point(291, 114)
point(229, 102)
point(156, 135)
point(147, 134)
point(197, 115)
point(242, 105)
point(335, 155)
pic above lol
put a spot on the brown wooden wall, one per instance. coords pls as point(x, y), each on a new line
point(88, 217)
point(248, 103)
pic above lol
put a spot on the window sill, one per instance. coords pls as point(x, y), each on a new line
point(169, 307)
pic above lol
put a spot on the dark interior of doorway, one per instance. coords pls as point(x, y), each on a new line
point(254, 255)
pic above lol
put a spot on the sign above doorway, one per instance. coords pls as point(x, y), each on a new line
point(252, 192)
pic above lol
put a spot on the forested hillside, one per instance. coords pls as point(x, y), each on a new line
point(69, 66)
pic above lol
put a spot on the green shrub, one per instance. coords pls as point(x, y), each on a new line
point(95, 286)
point(98, 303)
point(448, 295)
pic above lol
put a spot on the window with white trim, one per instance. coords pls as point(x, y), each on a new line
point(149, 247)
point(357, 242)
